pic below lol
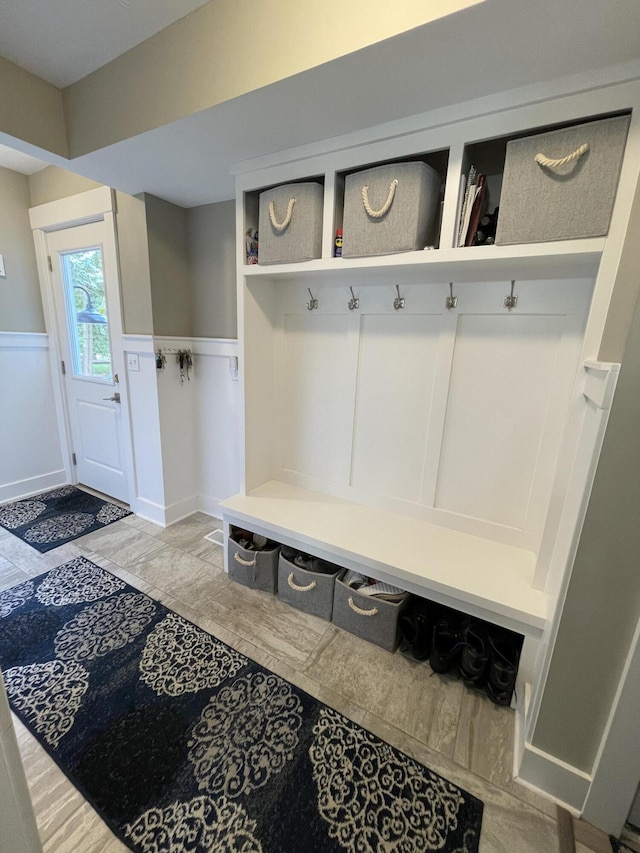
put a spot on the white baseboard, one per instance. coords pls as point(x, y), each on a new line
point(148, 510)
point(32, 486)
point(547, 775)
point(181, 509)
point(166, 515)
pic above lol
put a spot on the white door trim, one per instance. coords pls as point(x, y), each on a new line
point(92, 206)
point(89, 206)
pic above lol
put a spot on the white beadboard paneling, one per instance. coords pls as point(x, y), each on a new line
point(29, 439)
point(145, 436)
point(502, 376)
point(176, 403)
point(186, 436)
point(315, 421)
point(396, 371)
point(217, 418)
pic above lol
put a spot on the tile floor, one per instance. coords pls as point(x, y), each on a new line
point(454, 731)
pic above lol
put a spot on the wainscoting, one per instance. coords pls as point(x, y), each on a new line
point(30, 456)
point(185, 432)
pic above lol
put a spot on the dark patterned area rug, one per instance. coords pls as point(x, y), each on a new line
point(184, 745)
point(58, 516)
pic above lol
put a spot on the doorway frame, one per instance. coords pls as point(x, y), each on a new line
point(98, 205)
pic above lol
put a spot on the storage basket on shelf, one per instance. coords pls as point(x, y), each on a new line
point(389, 209)
point(257, 569)
point(373, 619)
point(290, 223)
point(561, 185)
point(307, 583)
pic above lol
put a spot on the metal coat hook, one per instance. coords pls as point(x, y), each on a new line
point(452, 301)
point(354, 302)
point(511, 301)
point(312, 303)
point(398, 302)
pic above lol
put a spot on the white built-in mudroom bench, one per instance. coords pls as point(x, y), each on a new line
point(442, 433)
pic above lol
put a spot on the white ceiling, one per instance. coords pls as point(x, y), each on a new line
point(65, 40)
point(19, 162)
point(496, 46)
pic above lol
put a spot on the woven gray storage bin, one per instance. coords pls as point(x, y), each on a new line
point(306, 590)
point(389, 209)
point(543, 201)
point(290, 226)
point(257, 569)
point(350, 610)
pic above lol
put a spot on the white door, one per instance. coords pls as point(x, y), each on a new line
point(87, 307)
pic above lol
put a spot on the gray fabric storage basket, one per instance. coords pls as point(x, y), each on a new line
point(565, 201)
point(306, 590)
point(292, 230)
point(411, 205)
point(257, 569)
point(350, 609)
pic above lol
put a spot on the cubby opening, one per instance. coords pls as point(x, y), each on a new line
point(437, 160)
point(487, 157)
point(251, 208)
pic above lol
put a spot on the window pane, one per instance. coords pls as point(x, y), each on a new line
point(86, 312)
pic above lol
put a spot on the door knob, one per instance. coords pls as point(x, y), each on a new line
point(114, 399)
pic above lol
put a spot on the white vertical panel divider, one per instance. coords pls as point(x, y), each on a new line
point(353, 347)
point(433, 449)
point(328, 233)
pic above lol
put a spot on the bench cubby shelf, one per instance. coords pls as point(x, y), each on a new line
point(428, 447)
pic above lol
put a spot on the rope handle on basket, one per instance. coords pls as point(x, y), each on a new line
point(297, 588)
point(239, 559)
point(541, 160)
point(280, 226)
point(359, 610)
point(376, 214)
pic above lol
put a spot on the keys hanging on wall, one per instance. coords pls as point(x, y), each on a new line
point(184, 360)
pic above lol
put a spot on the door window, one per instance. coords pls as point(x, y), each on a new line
point(83, 277)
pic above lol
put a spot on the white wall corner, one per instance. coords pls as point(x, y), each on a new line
point(544, 773)
point(180, 509)
point(210, 506)
point(148, 510)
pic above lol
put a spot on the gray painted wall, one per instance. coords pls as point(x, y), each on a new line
point(211, 238)
point(602, 607)
point(20, 302)
point(53, 183)
point(169, 267)
point(135, 275)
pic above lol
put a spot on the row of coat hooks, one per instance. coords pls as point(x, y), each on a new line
point(184, 360)
point(510, 301)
